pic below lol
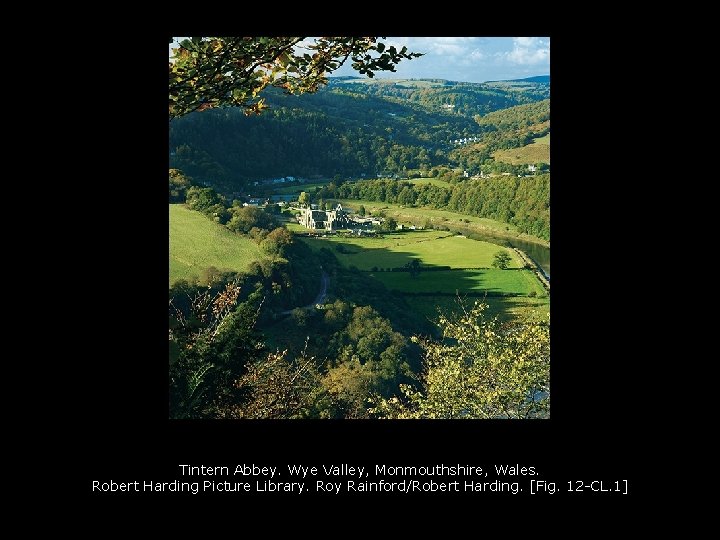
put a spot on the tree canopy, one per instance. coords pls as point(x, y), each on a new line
point(501, 260)
point(481, 369)
point(208, 72)
point(304, 199)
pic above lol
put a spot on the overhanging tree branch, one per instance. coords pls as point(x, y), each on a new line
point(207, 72)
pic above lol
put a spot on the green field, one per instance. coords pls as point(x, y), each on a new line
point(294, 226)
point(471, 273)
point(545, 139)
point(491, 280)
point(197, 243)
point(505, 308)
point(433, 181)
point(433, 248)
point(537, 151)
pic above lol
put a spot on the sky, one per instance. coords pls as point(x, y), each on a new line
point(468, 59)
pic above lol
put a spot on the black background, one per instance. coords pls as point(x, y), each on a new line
point(118, 408)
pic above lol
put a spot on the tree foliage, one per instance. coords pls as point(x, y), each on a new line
point(208, 72)
point(370, 358)
point(277, 241)
point(524, 202)
point(501, 260)
point(244, 218)
point(481, 369)
point(212, 338)
point(390, 224)
point(413, 267)
point(279, 388)
point(178, 185)
point(304, 199)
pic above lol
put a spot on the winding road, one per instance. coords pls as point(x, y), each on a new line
point(324, 280)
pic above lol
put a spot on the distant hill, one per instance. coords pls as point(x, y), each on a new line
point(353, 127)
point(504, 134)
point(520, 118)
point(539, 79)
point(536, 79)
point(461, 98)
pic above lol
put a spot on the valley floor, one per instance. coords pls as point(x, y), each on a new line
point(452, 267)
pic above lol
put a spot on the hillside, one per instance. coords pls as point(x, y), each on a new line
point(518, 119)
point(197, 243)
point(461, 98)
point(504, 132)
point(538, 151)
point(352, 127)
point(322, 134)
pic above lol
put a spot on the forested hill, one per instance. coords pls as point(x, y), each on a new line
point(353, 127)
point(462, 98)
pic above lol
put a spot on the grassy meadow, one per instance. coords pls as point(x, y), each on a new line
point(514, 307)
point(545, 139)
point(471, 272)
point(537, 151)
point(433, 181)
point(432, 248)
point(461, 281)
point(197, 243)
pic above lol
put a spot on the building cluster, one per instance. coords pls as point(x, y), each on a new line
point(332, 220)
point(465, 140)
point(313, 218)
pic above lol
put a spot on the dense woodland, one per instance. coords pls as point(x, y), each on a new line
point(356, 130)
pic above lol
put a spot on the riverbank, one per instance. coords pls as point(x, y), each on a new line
point(536, 268)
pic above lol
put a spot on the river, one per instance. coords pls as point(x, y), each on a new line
point(538, 253)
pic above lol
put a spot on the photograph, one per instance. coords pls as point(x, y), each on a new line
point(359, 228)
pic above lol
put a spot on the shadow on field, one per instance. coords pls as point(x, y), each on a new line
point(432, 285)
point(441, 285)
point(430, 306)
